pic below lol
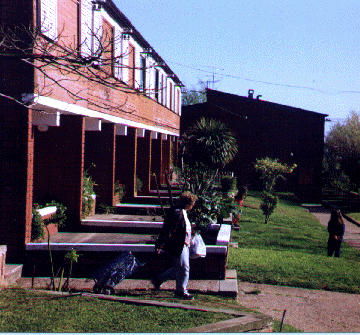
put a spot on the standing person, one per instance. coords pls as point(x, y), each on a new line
point(174, 238)
point(239, 199)
point(336, 229)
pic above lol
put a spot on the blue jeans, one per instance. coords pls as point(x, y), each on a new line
point(180, 271)
point(334, 247)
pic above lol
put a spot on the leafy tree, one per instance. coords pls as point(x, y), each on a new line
point(194, 95)
point(271, 170)
point(205, 148)
point(342, 154)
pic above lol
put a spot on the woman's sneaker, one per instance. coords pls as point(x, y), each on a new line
point(184, 295)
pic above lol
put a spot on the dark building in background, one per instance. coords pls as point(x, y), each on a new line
point(266, 129)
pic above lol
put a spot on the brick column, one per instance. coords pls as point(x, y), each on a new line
point(143, 166)
point(100, 150)
point(125, 161)
point(16, 179)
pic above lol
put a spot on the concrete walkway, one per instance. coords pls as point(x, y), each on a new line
point(352, 229)
point(308, 310)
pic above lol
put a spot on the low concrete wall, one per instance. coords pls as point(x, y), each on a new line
point(94, 255)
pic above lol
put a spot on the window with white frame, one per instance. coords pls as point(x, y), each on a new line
point(156, 84)
point(164, 90)
point(143, 74)
point(86, 18)
point(171, 96)
point(96, 31)
point(46, 18)
point(118, 54)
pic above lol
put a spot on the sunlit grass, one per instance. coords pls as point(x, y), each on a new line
point(355, 216)
point(28, 311)
point(290, 250)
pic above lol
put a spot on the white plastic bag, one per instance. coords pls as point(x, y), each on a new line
point(197, 247)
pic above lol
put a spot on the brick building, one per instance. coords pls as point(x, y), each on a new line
point(266, 129)
point(80, 88)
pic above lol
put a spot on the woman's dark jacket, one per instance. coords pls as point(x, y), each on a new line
point(172, 235)
point(337, 229)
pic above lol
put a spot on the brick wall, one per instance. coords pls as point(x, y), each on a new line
point(118, 101)
point(16, 178)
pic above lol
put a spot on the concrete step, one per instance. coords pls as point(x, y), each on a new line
point(13, 273)
point(154, 199)
point(122, 224)
point(139, 209)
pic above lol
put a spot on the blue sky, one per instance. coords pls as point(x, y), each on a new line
point(273, 47)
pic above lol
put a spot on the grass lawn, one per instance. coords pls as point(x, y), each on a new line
point(355, 216)
point(29, 311)
point(290, 250)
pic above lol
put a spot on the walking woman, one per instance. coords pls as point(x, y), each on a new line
point(174, 238)
point(336, 229)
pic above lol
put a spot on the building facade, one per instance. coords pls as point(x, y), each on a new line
point(81, 91)
point(266, 129)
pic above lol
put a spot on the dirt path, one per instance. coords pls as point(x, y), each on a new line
point(309, 310)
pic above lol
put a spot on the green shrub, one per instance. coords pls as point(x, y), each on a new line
point(228, 184)
point(139, 184)
point(119, 190)
point(268, 204)
point(88, 191)
point(37, 227)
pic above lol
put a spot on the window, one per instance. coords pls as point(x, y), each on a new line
point(108, 45)
point(171, 96)
point(118, 54)
point(46, 17)
point(78, 9)
point(156, 85)
point(163, 90)
point(38, 15)
point(96, 31)
point(143, 74)
point(178, 101)
point(86, 26)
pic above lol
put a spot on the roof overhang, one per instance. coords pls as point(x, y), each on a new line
point(53, 107)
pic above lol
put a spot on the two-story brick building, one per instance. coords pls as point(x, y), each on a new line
point(267, 129)
point(80, 89)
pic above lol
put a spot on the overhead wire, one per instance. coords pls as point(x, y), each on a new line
point(267, 82)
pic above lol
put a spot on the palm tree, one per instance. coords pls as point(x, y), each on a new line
point(206, 147)
point(210, 142)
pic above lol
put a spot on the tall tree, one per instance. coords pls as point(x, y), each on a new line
point(343, 149)
point(211, 142)
point(195, 95)
point(207, 146)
